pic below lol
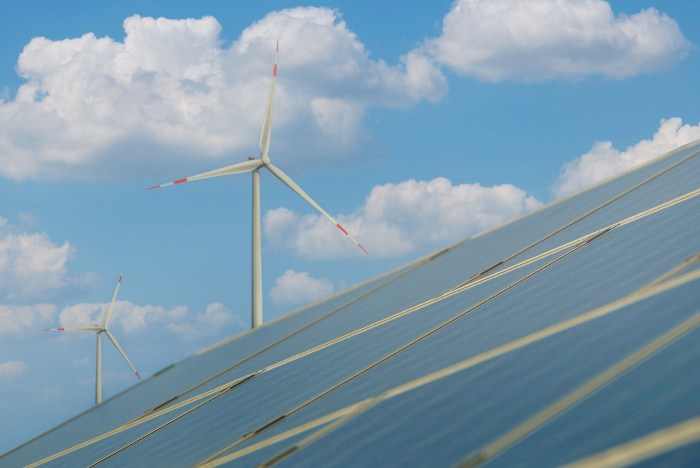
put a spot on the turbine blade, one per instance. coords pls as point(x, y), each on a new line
point(81, 329)
point(290, 183)
point(267, 123)
point(245, 166)
point(108, 314)
point(114, 341)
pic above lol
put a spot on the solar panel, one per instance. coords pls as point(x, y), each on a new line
point(480, 354)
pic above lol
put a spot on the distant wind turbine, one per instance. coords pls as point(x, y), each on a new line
point(254, 166)
point(99, 330)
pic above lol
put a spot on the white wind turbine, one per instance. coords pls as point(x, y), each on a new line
point(254, 166)
point(99, 330)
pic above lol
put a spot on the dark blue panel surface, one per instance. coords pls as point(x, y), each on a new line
point(688, 455)
point(133, 402)
point(442, 422)
point(612, 267)
point(661, 392)
point(272, 393)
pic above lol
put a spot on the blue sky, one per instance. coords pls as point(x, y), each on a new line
point(416, 124)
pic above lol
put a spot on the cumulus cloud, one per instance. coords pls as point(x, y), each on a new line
point(496, 40)
point(214, 320)
point(80, 362)
point(605, 161)
point(15, 320)
point(132, 318)
point(172, 95)
point(300, 288)
point(33, 267)
point(12, 369)
point(399, 218)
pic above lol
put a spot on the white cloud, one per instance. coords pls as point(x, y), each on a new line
point(28, 219)
point(605, 161)
point(12, 369)
point(496, 40)
point(300, 288)
point(131, 318)
point(172, 95)
point(33, 267)
point(216, 319)
point(399, 218)
point(80, 362)
point(16, 320)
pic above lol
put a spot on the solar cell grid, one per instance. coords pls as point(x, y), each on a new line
point(686, 455)
point(642, 278)
point(660, 392)
point(172, 381)
point(274, 392)
point(445, 419)
point(635, 199)
point(648, 251)
point(411, 362)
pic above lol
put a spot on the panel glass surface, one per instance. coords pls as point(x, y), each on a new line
point(498, 244)
point(679, 181)
point(151, 392)
point(272, 393)
point(444, 421)
point(688, 455)
point(650, 249)
point(661, 392)
point(569, 288)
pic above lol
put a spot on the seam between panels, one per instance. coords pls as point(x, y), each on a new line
point(350, 412)
point(573, 245)
point(218, 390)
point(687, 263)
point(542, 418)
point(286, 337)
point(645, 447)
point(571, 223)
point(400, 349)
point(461, 287)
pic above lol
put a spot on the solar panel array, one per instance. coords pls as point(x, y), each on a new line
point(567, 336)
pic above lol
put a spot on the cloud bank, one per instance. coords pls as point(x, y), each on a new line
point(12, 369)
point(400, 218)
point(300, 288)
point(215, 319)
point(33, 268)
point(532, 40)
point(172, 95)
point(132, 318)
point(605, 161)
point(16, 320)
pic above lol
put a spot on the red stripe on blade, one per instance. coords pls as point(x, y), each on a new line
point(137, 375)
point(275, 69)
point(363, 249)
point(180, 181)
point(341, 228)
point(149, 188)
point(60, 329)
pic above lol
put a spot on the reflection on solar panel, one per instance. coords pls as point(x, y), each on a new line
point(570, 336)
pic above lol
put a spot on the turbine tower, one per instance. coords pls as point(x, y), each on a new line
point(96, 329)
point(254, 166)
